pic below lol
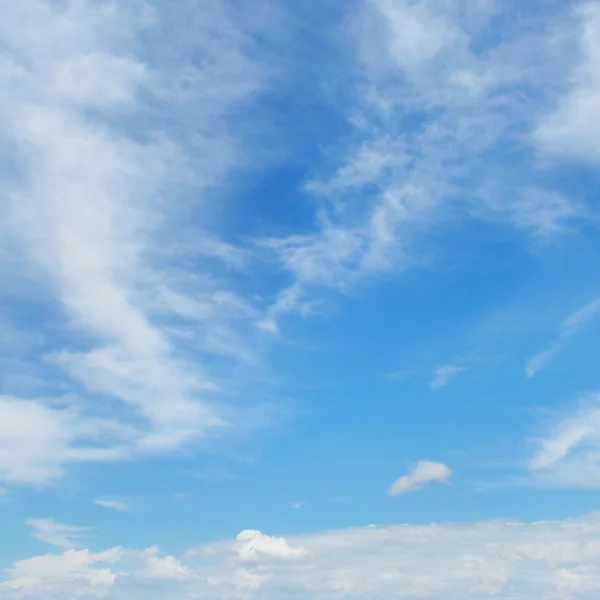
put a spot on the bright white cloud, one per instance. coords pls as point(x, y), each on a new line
point(425, 471)
point(56, 534)
point(112, 504)
point(574, 128)
point(569, 328)
point(549, 560)
point(254, 546)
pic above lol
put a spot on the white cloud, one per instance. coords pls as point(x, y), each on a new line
point(84, 214)
point(574, 128)
point(424, 472)
point(568, 455)
point(393, 186)
point(444, 374)
point(548, 560)
point(167, 568)
point(297, 505)
point(56, 534)
point(254, 546)
point(75, 573)
point(112, 504)
point(569, 328)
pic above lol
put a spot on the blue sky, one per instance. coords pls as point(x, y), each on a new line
point(299, 300)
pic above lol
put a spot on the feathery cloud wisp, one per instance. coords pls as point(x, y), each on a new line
point(569, 328)
point(56, 534)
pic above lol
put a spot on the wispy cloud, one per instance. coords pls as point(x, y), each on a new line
point(569, 328)
point(568, 454)
point(85, 214)
point(57, 534)
point(112, 504)
point(572, 130)
point(424, 472)
point(444, 374)
point(393, 186)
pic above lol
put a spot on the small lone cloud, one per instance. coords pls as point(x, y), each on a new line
point(424, 472)
point(444, 374)
point(112, 504)
point(298, 505)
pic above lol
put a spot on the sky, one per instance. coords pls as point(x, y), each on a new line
point(299, 299)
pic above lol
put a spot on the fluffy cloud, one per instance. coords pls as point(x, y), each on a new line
point(254, 546)
point(424, 472)
point(546, 560)
point(77, 572)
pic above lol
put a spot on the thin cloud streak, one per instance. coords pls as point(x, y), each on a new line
point(569, 328)
point(57, 534)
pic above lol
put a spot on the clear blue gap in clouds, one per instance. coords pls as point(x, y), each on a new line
point(263, 261)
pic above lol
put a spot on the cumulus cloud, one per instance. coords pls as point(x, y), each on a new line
point(112, 504)
point(459, 562)
point(424, 472)
point(56, 534)
point(164, 568)
point(254, 546)
point(569, 328)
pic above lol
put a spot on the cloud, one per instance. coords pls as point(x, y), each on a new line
point(444, 374)
point(469, 561)
point(297, 505)
point(568, 455)
point(87, 91)
point(569, 328)
point(388, 188)
point(424, 472)
point(254, 546)
point(112, 504)
point(56, 534)
point(167, 568)
point(74, 572)
point(572, 130)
